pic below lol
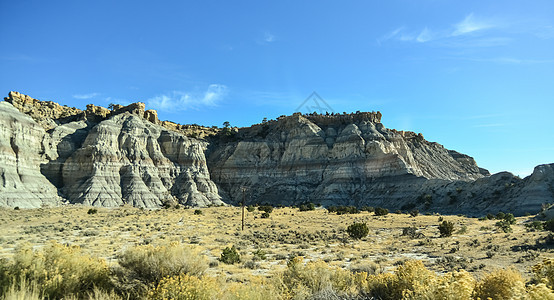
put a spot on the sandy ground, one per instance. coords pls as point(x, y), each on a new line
point(266, 244)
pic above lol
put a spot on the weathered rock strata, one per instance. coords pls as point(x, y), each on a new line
point(125, 155)
point(299, 159)
point(22, 150)
point(126, 159)
point(100, 157)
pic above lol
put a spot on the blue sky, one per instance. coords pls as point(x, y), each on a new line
point(475, 76)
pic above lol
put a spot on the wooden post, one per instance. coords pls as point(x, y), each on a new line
point(243, 202)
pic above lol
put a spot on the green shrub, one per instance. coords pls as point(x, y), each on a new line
point(367, 208)
point(306, 206)
point(341, 210)
point(265, 215)
point(150, 264)
point(379, 211)
point(414, 213)
point(446, 228)
point(167, 204)
point(267, 208)
point(500, 215)
point(412, 232)
point(230, 256)
point(92, 211)
point(197, 212)
point(504, 226)
point(260, 254)
point(549, 225)
point(250, 208)
point(538, 225)
point(358, 230)
point(510, 219)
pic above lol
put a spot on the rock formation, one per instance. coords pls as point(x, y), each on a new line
point(98, 157)
point(22, 150)
point(52, 154)
point(320, 159)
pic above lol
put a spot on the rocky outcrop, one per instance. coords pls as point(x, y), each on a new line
point(47, 114)
point(127, 159)
point(22, 150)
point(311, 158)
point(52, 154)
point(99, 157)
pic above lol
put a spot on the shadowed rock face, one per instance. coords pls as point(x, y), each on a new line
point(301, 158)
point(125, 155)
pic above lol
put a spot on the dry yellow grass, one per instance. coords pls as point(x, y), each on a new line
point(314, 235)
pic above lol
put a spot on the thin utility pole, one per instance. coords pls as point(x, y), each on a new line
point(243, 202)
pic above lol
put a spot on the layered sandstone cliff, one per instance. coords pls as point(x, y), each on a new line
point(52, 154)
point(98, 157)
point(329, 159)
point(22, 151)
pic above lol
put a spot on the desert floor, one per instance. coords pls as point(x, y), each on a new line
point(266, 245)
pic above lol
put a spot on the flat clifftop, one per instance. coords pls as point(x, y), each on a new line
point(52, 154)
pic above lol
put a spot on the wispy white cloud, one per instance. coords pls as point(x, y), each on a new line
point(391, 35)
point(268, 37)
point(471, 24)
point(181, 100)
point(397, 34)
point(85, 96)
point(424, 36)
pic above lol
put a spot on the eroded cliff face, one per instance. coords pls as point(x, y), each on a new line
point(22, 151)
point(126, 159)
point(98, 157)
point(329, 160)
point(52, 154)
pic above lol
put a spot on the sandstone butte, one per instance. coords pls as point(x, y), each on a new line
point(53, 155)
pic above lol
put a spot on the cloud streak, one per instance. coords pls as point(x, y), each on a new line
point(468, 26)
point(181, 100)
point(85, 96)
point(471, 24)
point(424, 36)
